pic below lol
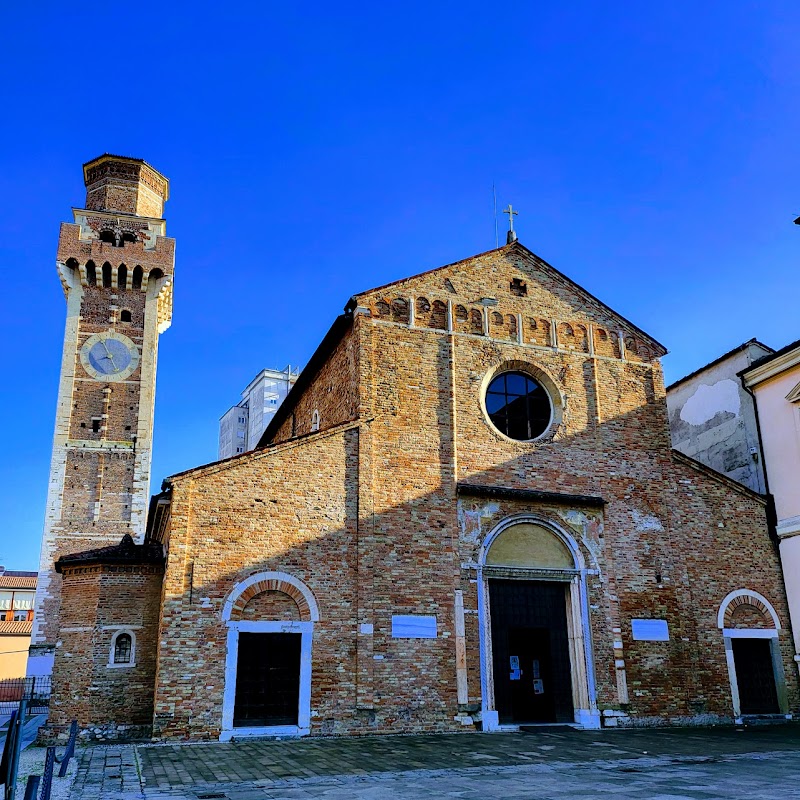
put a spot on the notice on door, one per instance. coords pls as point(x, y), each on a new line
point(650, 630)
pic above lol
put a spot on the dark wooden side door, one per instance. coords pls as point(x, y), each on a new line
point(530, 653)
point(755, 676)
point(267, 680)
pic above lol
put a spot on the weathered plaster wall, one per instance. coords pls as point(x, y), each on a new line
point(712, 418)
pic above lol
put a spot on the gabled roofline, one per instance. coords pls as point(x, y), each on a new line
point(718, 476)
point(260, 452)
point(720, 359)
point(435, 269)
point(529, 254)
point(771, 365)
point(329, 343)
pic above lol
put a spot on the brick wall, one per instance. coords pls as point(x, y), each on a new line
point(333, 393)
point(367, 514)
point(290, 509)
point(97, 602)
point(99, 480)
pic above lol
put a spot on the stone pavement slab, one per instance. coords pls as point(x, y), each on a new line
point(700, 764)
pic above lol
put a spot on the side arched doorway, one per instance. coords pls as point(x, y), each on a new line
point(750, 628)
point(536, 661)
point(270, 619)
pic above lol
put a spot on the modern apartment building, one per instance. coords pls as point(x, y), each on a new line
point(241, 427)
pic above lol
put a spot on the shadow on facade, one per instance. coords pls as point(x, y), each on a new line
point(341, 537)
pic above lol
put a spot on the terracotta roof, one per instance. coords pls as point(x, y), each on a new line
point(15, 628)
point(126, 552)
point(18, 580)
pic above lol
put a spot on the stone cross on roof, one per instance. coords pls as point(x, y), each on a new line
point(511, 236)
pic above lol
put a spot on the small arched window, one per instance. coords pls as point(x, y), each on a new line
point(122, 276)
point(125, 315)
point(315, 420)
point(128, 238)
point(109, 237)
point(123, 650)
point(107, 274)
point(91, 273)
point(136, 283)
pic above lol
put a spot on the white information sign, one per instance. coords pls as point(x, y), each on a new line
point(413, 626)
point(650, 630)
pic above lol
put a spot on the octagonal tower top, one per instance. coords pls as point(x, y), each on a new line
point(125, 185)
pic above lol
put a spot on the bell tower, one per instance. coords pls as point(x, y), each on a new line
point(116, 265)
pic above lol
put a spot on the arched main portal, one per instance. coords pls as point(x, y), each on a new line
point(270, 618)
point(536, 662)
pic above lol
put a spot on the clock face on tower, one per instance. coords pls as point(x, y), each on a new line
point(109, 356)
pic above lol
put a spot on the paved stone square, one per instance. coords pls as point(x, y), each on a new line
point(557, 763)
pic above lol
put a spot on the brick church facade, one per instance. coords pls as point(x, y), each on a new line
point(467, 514)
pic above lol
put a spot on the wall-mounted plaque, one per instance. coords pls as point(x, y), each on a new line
point(650, 630)
point(413, 626)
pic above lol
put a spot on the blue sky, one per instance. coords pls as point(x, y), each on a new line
point(315, 150)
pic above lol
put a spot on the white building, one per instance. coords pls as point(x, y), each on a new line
point(712, 417)
point(241, 427)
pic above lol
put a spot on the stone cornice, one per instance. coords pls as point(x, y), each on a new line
point(773, 367)
point(509, 493)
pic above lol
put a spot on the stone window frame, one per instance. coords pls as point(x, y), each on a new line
point(309, 614)
point(315, 421)
point(127, 664)
point(753, 598)
point(556, 396)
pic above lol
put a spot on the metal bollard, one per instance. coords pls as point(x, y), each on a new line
point(32, 787)
point(70, 749)
point(47, 775)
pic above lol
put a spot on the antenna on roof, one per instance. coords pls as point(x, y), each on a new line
point(496, 239)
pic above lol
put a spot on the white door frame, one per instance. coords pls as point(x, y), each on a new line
point(306, 631)
point(729, 634)
point(307, 605)
point(584, 691)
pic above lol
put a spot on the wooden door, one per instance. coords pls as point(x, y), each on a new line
point(755, 676)
point(267, 680)
point(530, 651)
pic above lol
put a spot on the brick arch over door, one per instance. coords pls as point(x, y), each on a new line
point(746, 597)
point(247, 589)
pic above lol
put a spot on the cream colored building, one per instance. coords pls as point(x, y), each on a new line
point(17, 593)
point(775, 383)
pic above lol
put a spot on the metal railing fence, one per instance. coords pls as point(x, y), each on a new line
point(35, 689)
